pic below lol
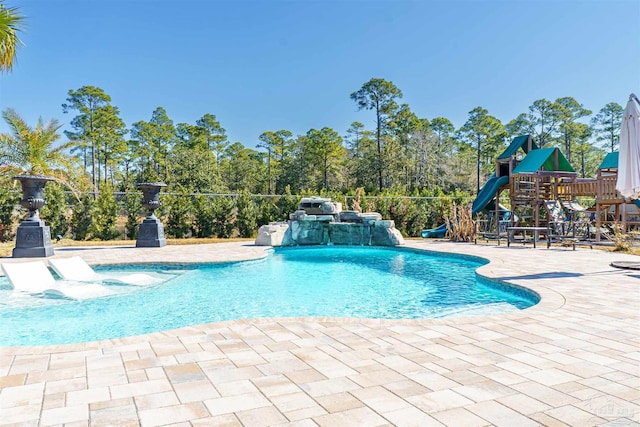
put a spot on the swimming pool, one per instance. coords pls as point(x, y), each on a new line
point(319, 281)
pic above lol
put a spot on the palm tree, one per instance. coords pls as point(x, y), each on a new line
point(10, 23)
point(31, 151)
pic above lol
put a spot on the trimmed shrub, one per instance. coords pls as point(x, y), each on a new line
point(133, 205)
point(267, 211)
point(104, 215)
point(179, 207)
point(204, 216)
point(224, 216)
point(417, 217)
point(398, 212)
point(55, 211)
point(287, 204)
point(246, 214)
point(81, 217)
point(8, 201)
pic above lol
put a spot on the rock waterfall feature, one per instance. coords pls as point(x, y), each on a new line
point(319, 221)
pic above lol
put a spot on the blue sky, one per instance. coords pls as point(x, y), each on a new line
point(270, 65)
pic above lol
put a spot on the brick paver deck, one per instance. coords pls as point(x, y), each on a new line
point(573, 359)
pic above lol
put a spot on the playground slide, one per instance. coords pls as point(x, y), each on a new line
point(436, 233)
point(485, 196)
point(488, 192)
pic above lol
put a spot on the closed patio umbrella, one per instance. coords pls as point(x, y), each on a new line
point(628, 183)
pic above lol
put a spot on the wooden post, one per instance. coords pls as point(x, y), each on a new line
point(536, 201)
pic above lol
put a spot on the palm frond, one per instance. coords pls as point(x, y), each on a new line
point(11, 22)
point(32, 149)
point(17, 125)
point(10, 170)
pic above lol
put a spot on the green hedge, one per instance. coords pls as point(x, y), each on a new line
point(8, 211)
point(114, 215)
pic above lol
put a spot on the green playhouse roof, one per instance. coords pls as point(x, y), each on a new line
point(517, 143)
point(544, 159)
point(610, 161)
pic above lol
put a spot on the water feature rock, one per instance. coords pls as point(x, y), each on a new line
point(319, 206)
point(384, 233)
point(350, 216)
point(370, 217)
point(306, 233)
point(322, 222)
point(299, 215)
point(272, 234)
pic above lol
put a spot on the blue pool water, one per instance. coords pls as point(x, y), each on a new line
point(328, 281)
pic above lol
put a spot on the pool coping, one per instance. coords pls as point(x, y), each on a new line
point(567, 305)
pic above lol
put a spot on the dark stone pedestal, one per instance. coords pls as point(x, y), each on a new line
point(33, 240)
point(151, 234)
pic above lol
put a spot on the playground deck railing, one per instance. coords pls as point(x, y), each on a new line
point(569, 190)
point(606, 189)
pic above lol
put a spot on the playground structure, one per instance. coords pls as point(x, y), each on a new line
point(611, 207)
point(489, 194)
point(535, 177)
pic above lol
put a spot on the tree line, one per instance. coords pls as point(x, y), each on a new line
point(401, 151)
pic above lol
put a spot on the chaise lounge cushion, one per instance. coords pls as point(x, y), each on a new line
point(35, 278)
point(32, 277)
point(75, 268)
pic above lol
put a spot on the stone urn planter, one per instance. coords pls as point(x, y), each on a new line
point(33, 238)
point(151, 231)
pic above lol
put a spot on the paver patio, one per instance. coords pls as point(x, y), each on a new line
point(573, 359)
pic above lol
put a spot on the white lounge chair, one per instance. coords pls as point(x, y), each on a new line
point(75, 268)
point(35, 278)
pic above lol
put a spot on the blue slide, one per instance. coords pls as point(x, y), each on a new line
point(436, 233)
point(488, 192)
point(485, 196)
